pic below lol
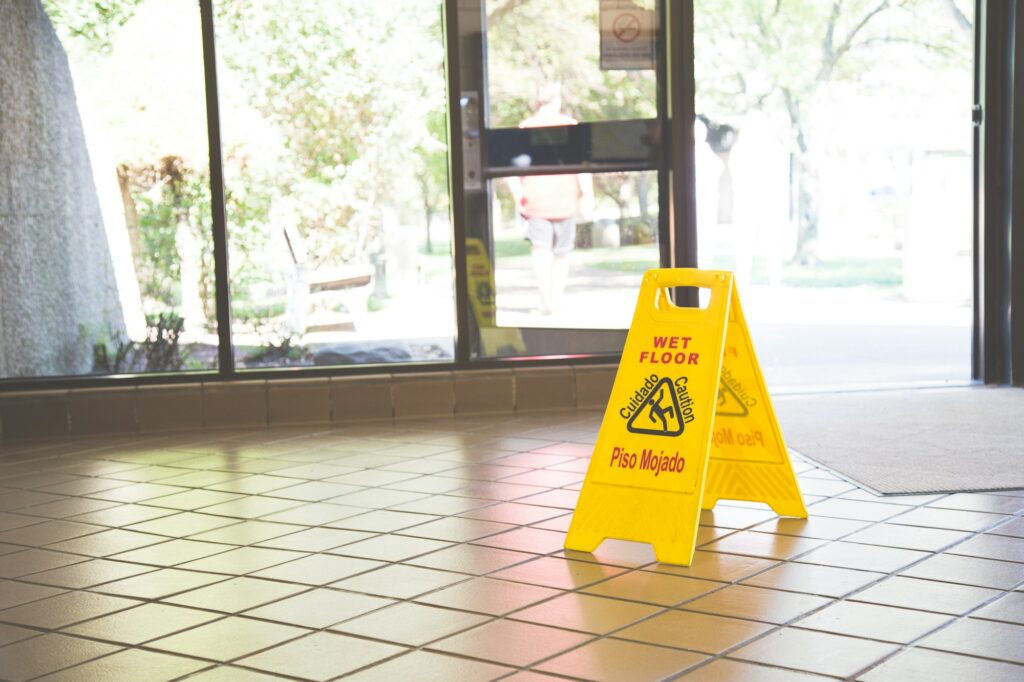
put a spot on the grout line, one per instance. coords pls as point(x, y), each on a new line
point(557, 553)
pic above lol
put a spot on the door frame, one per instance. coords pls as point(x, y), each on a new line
point(466, 68)
point(998, 334)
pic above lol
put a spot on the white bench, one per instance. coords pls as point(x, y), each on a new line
point(314, 295)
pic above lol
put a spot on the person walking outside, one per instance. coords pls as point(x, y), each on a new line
point(549, 204)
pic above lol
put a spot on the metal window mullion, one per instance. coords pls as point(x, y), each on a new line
point(457, 192)
point(664, 175)
point(988, 264)
point(681, 161)
point(977, 365)
point(225, 348)
point(496, 172)
point(1014, 231)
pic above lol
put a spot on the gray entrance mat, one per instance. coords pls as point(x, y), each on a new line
point(929, 440)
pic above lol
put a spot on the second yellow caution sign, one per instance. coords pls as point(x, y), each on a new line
point(689, 422)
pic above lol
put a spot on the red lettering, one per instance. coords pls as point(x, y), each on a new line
point(622, 459)
point(667, 357)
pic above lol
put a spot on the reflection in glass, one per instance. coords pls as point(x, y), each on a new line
point(612, 244)
point(335, 159)
point(105, 247)
point(536, 41)
point(568, 249)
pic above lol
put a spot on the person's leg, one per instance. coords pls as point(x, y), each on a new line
point(543, 263)
point(565, 242)
point(541, 241)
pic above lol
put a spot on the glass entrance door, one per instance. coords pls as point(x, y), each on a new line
point(560, 107)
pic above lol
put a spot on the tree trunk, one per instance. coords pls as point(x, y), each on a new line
point(131, 216)
point(805, 177)
point(428, 209)
point(188, 246)
point(642, 191)
point(805, 181)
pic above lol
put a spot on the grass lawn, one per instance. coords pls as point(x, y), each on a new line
point(839, 273)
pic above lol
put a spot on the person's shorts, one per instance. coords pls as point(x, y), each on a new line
point(557, 235)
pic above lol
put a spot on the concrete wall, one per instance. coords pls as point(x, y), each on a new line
point(58, 292)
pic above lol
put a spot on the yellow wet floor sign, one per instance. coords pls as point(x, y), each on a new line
point(689, 422)
point(494, 340)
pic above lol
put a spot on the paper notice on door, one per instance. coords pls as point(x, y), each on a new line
point(628, 33)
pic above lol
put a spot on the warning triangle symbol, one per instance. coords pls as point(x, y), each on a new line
point(729, 404)
point(658, 415)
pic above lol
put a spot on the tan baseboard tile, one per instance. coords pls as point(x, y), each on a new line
point(484, 392)
point(361, 398)
point(34, 414)
point(232, 404)
point(299, 401)
point(430, 394)
point(170, 408)
point(544, 388)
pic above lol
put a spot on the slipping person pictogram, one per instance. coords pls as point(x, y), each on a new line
point(658, 414)
point(729, 404)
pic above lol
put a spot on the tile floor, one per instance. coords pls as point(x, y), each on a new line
point(432, 550)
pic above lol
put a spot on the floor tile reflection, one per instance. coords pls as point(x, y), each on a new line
point(433, 550)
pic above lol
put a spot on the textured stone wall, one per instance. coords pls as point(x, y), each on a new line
point(58, 291)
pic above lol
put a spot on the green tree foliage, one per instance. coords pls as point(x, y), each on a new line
point(139, 83)
point(431, 170)
point(347, 93)
point(90, 21)
point(331, 117)
point(778, 56)
point(532, 42)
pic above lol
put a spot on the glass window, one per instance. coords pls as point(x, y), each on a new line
point(834, 175)
point(531, 43)
point(593, 284)
point(105, 250)
point(568, 218)
point(335, 160)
